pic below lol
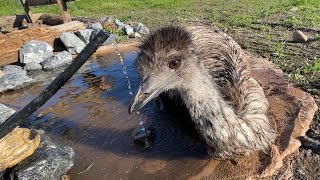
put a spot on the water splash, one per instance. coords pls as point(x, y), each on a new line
point(123, 67)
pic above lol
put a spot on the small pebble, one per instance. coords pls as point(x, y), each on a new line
point(32, 66)
point(137, 35)
point(299, 37)
point(142, 137)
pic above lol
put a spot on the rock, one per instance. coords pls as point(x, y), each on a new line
point(4, 30)
point(105, 20)
point(11, 69)
point(110, 39)
point(109, 25)
point(51, 19)
point(108, 19)
point(1, 74)
point(14, 81)
point(73, 44)
point(294, 9)
point(128, 30)
point(142, 137)
point(94, 26)
point(5, 112)
point(299, 37)
point(35, 51)
point(32, 66)
point(119, 24)
point(142, 29)
point(49, 161)
point(60, 59)
point(17, 146)
point(137, 35)
point(85, 35)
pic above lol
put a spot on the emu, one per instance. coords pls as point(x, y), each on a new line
point(207, 72)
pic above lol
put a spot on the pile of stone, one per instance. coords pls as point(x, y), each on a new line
point(38, 55)
point(34, 55)
point(35, 153)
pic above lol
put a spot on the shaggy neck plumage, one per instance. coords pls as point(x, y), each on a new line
point(216, 120)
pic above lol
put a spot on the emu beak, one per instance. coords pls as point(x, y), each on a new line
point(148, 90)
point(142, 97)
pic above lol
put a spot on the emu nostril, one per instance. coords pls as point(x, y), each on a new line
point(144, 95)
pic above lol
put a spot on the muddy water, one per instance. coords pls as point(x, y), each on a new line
point(90, 114)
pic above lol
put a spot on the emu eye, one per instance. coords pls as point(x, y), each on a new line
point(174, 64)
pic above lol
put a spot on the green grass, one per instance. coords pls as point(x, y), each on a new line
point(307, 14)
point(303, 75)
point(241, 13)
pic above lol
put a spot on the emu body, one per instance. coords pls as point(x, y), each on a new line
point(207, 71)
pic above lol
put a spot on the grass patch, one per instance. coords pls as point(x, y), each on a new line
point(302, 76)
point(154, 13)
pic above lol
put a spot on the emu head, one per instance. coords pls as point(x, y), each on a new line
point(167, 61)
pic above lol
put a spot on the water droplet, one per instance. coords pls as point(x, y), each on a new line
point(123, 67)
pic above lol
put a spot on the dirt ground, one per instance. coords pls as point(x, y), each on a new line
point(275, 42)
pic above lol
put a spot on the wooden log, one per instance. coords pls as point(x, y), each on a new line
point(10, 43)
point(17, 146)
point(43, 2)
point(64, 11)
point(27, 11)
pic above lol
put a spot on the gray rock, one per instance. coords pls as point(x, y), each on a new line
point(35, 51)
point(109, 20)
point(105, 20)
point(13, 69)
point(32, 66)
point(119, 24)
point(94, 26)
point(5, 112)
point(128, 30)
point(142, 29)
point(299, 36)
point(85, 35)
point(73, 44)
point(60, 59)
point(111, 39)
point(49, 161)
point(14, 81)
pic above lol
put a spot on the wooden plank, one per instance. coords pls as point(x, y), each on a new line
point(64, 11)
point(10, 43)
point(44, 2)
point(27, 11)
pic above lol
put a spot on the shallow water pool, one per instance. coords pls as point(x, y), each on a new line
point(90, 114)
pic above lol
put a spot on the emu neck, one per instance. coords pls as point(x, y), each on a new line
point(213, 116)
point(204, 100)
